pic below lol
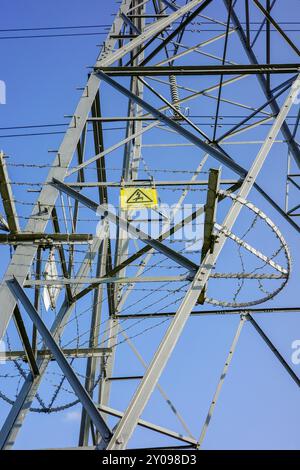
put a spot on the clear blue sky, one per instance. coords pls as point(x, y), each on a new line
point(259, 403)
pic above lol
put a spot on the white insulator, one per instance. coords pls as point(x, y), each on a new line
point(174, 93)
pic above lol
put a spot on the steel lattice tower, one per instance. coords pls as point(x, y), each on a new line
point(154, 63)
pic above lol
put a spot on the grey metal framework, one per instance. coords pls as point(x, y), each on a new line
point(150, 62)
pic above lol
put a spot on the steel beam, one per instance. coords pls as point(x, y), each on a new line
point(171, 5)
point(153, 427)
point(78, 353)
point(7, 197)
point(3, 224)
point(147, 183)
point(62, 257)
point(104, 263)
point(41, 238)
point(279, 356)
point(37, 296)
point(103, 193)
point(237, 311)
point(103, 280)
point(187, 70)
point(210, 219)
point(92, 362)
point(188, 50)
point(131, 24)
point(25, 341)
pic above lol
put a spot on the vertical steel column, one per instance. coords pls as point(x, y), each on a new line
point(92, 362)
point(210, 219)
point(103, 265)
point(131, 161)
point(7, 197)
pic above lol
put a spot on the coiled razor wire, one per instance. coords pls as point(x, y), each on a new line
point(50, 409)
point(47, 409)
point(285, 272)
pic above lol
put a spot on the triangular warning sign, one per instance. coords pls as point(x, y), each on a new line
point(138, 197)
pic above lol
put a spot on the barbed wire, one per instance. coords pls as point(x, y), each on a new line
point(242, 281)
point(283, 247)
point(119, 169)
point(48, 409)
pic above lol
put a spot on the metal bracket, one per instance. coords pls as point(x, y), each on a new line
point(209, 221)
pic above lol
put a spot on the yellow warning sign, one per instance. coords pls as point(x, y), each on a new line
point(138, 198)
